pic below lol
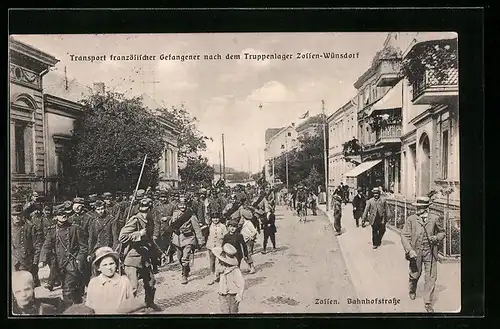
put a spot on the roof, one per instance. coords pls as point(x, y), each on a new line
point(312, 121)
point(54, 83)
point(23, 48)
point(356, 171)
point(270, 132)
point(427, 37)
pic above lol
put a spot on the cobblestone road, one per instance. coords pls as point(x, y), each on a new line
point(305, 274)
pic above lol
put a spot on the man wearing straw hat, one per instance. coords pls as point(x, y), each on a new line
point(420, 238)
point(137, 239)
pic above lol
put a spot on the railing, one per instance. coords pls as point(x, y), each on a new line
point(431, 79)
point(392, 130)
point(400, 209)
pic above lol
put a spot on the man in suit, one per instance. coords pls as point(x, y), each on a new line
point(420, 238)
point(358, 205)
point(376, 213)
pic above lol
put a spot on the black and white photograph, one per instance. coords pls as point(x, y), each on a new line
point(234, 173)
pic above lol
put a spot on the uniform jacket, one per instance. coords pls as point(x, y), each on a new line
point(66, 243)
point(163, 216)
point(100, 233)
point(119, 221)
point(372, 206)
point(413, 233)
point(189, 233)
point(216, 235)
point(138, 249)
point(200, 212)
point(248, 231)
point(25, 245)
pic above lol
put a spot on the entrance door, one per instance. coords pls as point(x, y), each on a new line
point(425, 165)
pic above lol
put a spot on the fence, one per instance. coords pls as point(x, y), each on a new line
point(449, 216)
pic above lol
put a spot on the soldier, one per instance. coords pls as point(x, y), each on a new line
point(25, 245)
point(164, 212)
point(46, 224)
point(137, 240)
point(420, 238)
point(107, 197)
point(33, 205)
point(120, 217)
point(70, 251)
point(100, 234)
point(186, 236)
point(84, 221)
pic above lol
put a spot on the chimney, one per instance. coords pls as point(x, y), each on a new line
point(99, 88)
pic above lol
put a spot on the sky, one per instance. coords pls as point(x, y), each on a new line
point(224, 95)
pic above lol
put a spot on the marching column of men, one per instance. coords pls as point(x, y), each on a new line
point(152, 228)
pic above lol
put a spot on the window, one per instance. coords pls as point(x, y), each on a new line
point(289, 134)
point(20, 154)
point(445, 155)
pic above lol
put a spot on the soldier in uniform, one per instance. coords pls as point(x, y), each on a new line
point(46, 224)
point(186, 236)
point(420, 238)
point(32, 206)
point(25, 246)
point(84, 221)
point(120, 217)
point(137, 241)
point(100, 234)
point(65, 242)
point(164, 212)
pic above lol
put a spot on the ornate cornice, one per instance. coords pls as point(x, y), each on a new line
point(43, 58)
point(24, 76)
point(64, 107)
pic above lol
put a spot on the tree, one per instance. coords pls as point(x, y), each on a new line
point(197, 173)
point(109, 145)
point(309, 156)
point(260, 177)
point(191, 140)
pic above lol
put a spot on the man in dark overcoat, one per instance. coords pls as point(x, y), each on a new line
point(25, 245)
point(65, 242)
point(420, 237)
point(358, 205)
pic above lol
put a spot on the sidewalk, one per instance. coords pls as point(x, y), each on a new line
point(383, 272)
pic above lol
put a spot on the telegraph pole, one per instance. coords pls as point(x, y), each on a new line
point(286, 161)
point(220, 166)
point(223, 160)
point(325, 152)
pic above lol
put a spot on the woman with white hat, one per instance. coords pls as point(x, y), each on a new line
point(109, 292)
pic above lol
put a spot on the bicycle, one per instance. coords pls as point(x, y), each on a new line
point(302, 212)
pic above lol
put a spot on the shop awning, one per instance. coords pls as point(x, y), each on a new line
point(354, 172)
point(392, 100)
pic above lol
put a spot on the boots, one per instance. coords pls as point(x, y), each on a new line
point(185, 273)
point(252, 269)
point(149, 298)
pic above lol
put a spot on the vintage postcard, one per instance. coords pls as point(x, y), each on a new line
point(249, 173)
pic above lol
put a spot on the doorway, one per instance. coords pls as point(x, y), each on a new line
point(425, 165)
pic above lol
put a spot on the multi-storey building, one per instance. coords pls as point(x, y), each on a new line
point(342, 127)
point(43, 109)
point(283, 140)
point(379, 122)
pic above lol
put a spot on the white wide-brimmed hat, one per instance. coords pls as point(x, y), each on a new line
point(226, 254)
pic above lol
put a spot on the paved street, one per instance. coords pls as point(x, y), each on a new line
point(305, 270)
point(312, 271)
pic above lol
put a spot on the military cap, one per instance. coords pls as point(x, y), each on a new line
point(233, 222)
point(99, 203)
point(145, 203)
point(107, 195)
point(140, 194)
point(376, 190)
point(60, 211)
point(68, 206)
point(92, 198)
point(79, 200)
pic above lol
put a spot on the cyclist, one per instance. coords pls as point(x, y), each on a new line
point(301, 203)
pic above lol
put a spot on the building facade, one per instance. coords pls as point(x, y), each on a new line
point(27, 67)
point(284, 140)
point(342, 127)
point(379, 123)
point(44, 107)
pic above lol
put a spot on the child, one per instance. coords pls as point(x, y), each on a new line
point(236, 240)
point(232, 283)
point(216, 234)
point(249, 233)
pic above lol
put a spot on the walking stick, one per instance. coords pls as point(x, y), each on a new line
point(136, 187)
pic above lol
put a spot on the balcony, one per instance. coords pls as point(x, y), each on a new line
point(432, 89)
point(391, 133)
point(388, 72)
